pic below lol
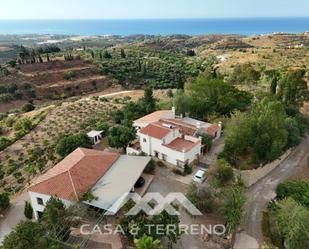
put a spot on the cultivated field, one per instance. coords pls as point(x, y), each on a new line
point(35, 152)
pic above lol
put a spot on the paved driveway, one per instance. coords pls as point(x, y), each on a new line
point(14, 215)
point(165, 183)
point(263, 191)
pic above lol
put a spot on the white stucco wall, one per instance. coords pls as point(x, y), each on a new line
point(40, 208)
point(132, 151)
point(95, 139)
point(150, 145)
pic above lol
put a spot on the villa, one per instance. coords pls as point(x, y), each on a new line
point(173, 139)
point(107, 176)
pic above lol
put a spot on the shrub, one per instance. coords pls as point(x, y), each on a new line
point(70, 75)
point(11, 167)
point(178, 172)
point(207, 141)
point(187, 169)
point(2, 116)
point(4, 142)
point(160, 164)
point(102, 127)
point(293, 223)
point(298, 190)
point(224, 171)
point(201, 196)
point(147, 242)
point(169, 93)
point(23, 124)
point(4, 201)
point(28, 211)
point(28, 107)
point(234, 200)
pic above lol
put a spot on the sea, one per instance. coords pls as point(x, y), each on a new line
point(242, 26)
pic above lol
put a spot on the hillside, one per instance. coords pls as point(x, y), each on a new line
point(86, 65)
point(52, 80)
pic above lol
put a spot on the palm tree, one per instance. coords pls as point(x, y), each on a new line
point(147, 242)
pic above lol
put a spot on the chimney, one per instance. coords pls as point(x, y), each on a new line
point(220, 124)
point(173, 112)
point(198, 125)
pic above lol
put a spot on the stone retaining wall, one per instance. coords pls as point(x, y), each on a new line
point(250, 177)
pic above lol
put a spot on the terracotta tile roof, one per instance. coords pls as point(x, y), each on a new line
point(183, 127)
point(181, 145)
point(213, 129)
point(155, 130)
point(155, 116)
point(75, 174)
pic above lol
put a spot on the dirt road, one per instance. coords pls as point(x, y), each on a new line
point(263, 191)
point(14, 215)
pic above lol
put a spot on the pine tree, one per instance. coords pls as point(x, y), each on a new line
point(149, 100)
point(92, 54)
point(122, 53)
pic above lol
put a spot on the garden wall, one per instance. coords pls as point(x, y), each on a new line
point(250, 177)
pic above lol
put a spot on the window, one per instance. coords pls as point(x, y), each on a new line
point(144, 140)
point(156, 154)
point(40, 214)
point(180, 164)
point(40, 201)
point(164, 157)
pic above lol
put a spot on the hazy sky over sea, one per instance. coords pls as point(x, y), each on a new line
point(153, 9)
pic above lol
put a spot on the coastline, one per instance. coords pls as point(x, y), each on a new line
point(164, 27)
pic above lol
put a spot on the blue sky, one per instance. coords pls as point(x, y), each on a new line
point(141, 9)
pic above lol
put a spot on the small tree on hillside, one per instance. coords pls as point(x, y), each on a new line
point(28, 211)
point(107, 55)
point(28, 107)
point(122, 53)
point(149, 100)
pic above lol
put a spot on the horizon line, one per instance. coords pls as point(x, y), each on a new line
point(150, 19)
